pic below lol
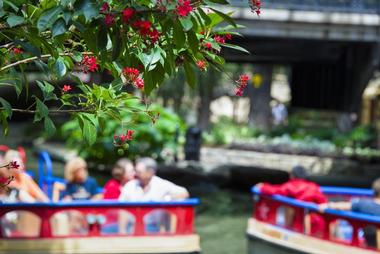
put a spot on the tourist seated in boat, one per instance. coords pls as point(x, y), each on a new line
point(11, 195)
point(361, 205)
point(301, 189)
point(122, 172)
point(149, 187)
point(79, 185)
point(22, 181)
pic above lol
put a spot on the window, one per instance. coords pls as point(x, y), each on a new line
point(20, 224)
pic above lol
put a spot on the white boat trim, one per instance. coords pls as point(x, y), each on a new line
point(102, 245)
point(296, 241)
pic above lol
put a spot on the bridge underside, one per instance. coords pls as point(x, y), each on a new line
point(329, 75)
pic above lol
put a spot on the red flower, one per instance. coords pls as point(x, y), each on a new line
point(131, 73)
point(239, 91)
point(128, 14)
point(109, 19)
point(255, 6)
point(13, 164)
point(143, 25)
point(139, 83)
point(105, 7)
point(123, 138)
point(219, 39)
point(66, 88)
point(243, 80)
point(89, 64)
point(183, 8)
point(228, 36)
point(201, 65)
point(17, 50)
point(129, 134)
point(207, 45)
point(154, 35)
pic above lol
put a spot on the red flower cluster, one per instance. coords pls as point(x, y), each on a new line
point(139, 83)
point(66, 88)
point(219, 39)
point(109, 19)
point(132, 76)
point(121, 139)
point(131, 73)
point(105, 7)
point(17, 51)
point(128, 14)
point(242, 84)
point(201, 65)
point(222, 38)
point(89, 64)
point(207, 45)
point(143, 25)
point(145, 29)
point(255, 6)
point(183, 8)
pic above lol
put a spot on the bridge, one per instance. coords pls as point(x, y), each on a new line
point(331, 46)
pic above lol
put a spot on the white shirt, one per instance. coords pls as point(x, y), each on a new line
point(158, 189)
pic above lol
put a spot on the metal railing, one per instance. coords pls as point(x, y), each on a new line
point(350, 6)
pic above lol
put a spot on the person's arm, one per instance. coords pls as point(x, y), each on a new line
point(271, 189)
point(345, 206)
point(176, 192)
point(95, 195)
point(35, 190)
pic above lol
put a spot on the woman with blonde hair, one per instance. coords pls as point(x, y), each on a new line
point(79, 185)
point(22, 181)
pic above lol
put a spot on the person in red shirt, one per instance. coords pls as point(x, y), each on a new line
point(122, 172)
point(301, 189)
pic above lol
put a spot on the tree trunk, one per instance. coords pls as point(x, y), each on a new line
point(260, 97)
point(205, 86)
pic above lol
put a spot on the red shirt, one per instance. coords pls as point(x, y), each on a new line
point(301, 190)
point(298, 189)
point(112, 189)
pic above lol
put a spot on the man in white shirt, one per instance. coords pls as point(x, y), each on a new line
point(149, 187)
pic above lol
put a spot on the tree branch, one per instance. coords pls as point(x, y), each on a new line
point(61, 111)
point(31, 59)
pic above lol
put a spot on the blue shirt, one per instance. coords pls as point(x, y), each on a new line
point(82, 191)
point(366, 206)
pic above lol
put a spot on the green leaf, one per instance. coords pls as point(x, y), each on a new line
point(88, 130)
point(178, 36)
point(47, 90)
point(87, 8)
point(187, 24)
point(216, 1)
point(48, 18)
point(59, 27)
point(35, 51)
point(116, 45)
point(101, 38)
point(227, 45)
point(4, 122)
point(206, 19)
point(60, 67)
point(149, 85)
point(49, 126)
point(7, 107)
point(193, 41)
point(14, 20)
point(190, 75)
point(14, 7)
point(225, 17)
point(41, 111)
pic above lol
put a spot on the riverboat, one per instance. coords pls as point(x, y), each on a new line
point(90, 227)
point(281, 225)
